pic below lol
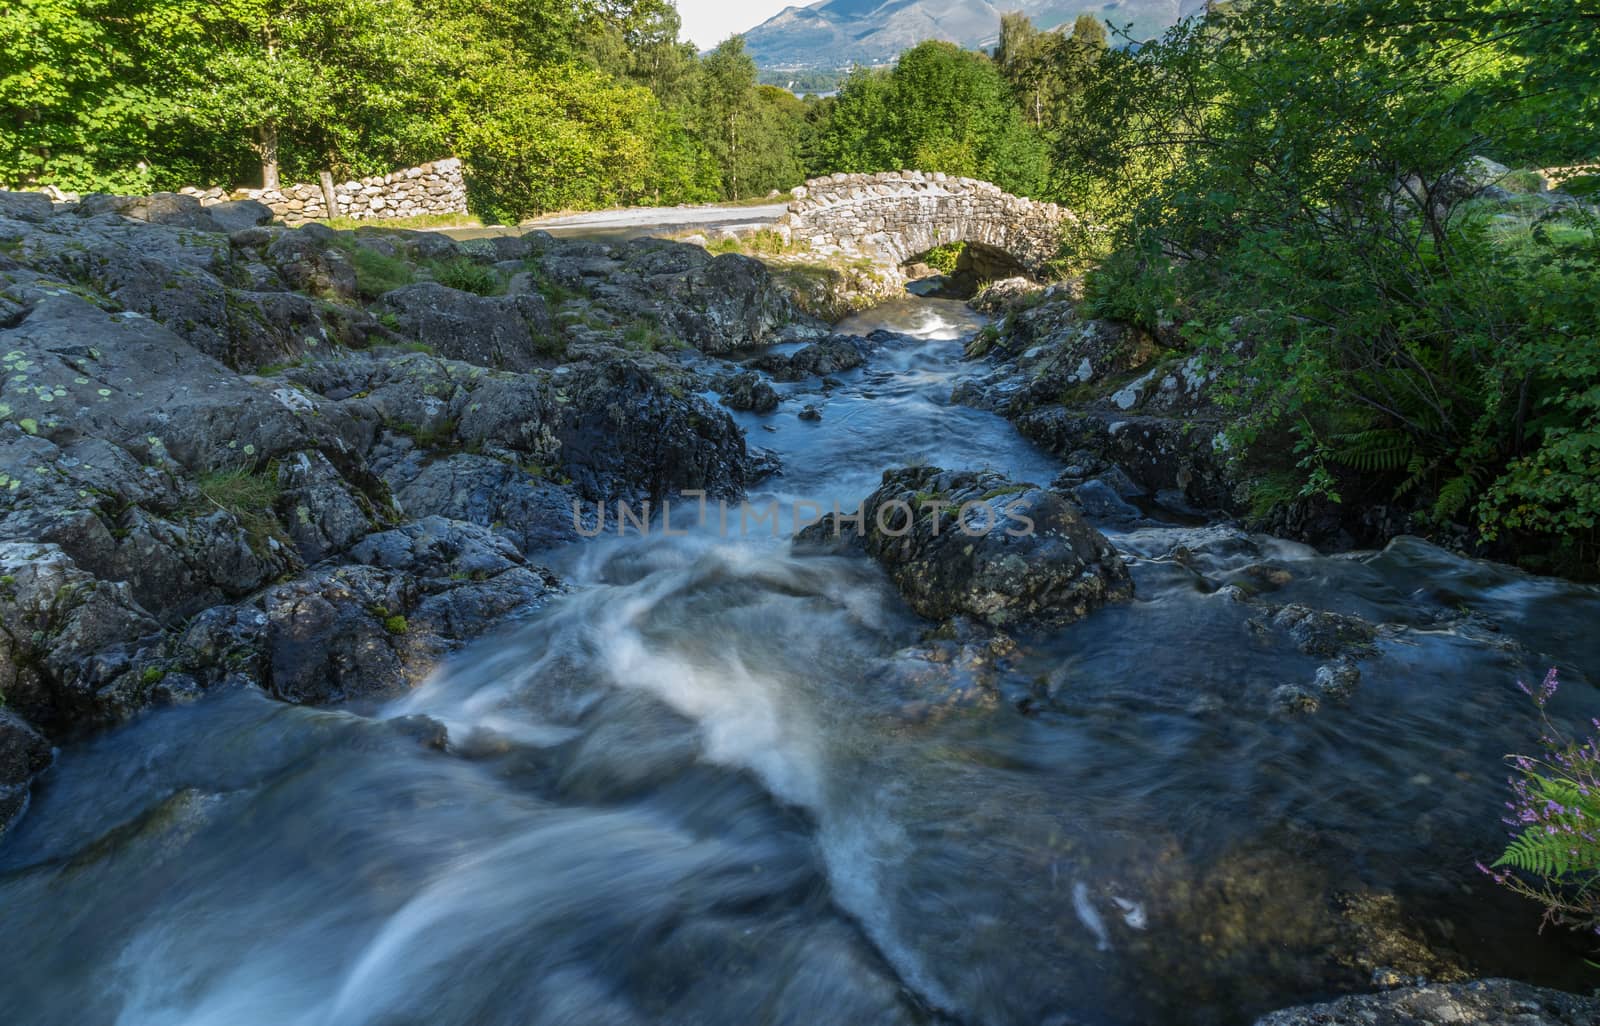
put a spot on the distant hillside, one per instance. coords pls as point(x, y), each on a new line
point(839, 33)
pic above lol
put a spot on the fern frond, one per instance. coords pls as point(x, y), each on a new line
point(1376, 450)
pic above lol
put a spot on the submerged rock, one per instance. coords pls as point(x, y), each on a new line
point(974, 543)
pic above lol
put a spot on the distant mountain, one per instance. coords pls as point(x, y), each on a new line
point(839, 33)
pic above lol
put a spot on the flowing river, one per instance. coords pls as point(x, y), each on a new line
point(717, 783)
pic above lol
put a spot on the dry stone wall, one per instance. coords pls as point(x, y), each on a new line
point(434, 188)
point(896, 216)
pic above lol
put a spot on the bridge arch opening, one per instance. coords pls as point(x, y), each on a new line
point(960, 274)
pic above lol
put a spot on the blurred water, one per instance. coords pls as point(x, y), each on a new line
point(721, 784)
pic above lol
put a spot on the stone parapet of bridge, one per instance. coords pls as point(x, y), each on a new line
point(896, 216)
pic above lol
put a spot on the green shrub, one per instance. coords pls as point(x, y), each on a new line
point(249, 496)
point(467, 276)
point(944, 258)
point(377, 273)
point(645, 336)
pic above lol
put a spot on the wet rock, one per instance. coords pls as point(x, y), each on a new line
point(338, 634)
point(1038, 561)
point(1157, 453)
point(1318, 632)
point(626, 434)
point(1479, 1003)
point(24, 754)
point(63, 635)
point(1100, 501)
point(380, 626)
point(1338, 680)
point(810, 412)
point(511, 332)
point(828, 356)
point(533, 512)
point(749, 391)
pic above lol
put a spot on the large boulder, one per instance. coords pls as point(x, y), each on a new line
point(237, 215)
point(75, 371)
point(26, 206)
point(510, 332)
point(528, 509)
point(381, 624)
point(831, 355)
point(975, 544)
point(747, 390)
point(626, 434)
point(715, 304)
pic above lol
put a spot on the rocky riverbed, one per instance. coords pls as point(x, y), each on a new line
point(306, 645)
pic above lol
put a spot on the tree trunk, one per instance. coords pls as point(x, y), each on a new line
point(267, 146)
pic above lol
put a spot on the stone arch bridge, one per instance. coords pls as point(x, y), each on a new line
point(896, 216)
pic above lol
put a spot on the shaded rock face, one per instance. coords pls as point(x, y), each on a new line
point(748, 391)
point(1480, 1003)
point(1038, 563)
point(24, 754)
point(626, 435)
point(508, 332)
point(1106, 397)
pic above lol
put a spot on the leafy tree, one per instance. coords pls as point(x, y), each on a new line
point(81, 103)
point(559, 137)
point(316, 83)
point(940, 109)
point(727, 89)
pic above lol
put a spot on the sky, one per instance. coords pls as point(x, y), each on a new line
point(708, 22)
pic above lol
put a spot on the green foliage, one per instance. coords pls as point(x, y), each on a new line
point(239, 490)
point(246, 494)
point(944, 258)
point(940, 109)
point(395, 624)
point(751, 131)
point(645, 336)
point(1270, 192)
point(468, 276)
point(376, 273)
point(555, 138)
point(1048, 71)
point(1553, 856)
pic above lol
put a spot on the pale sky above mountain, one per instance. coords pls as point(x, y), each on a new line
point(708, 22)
